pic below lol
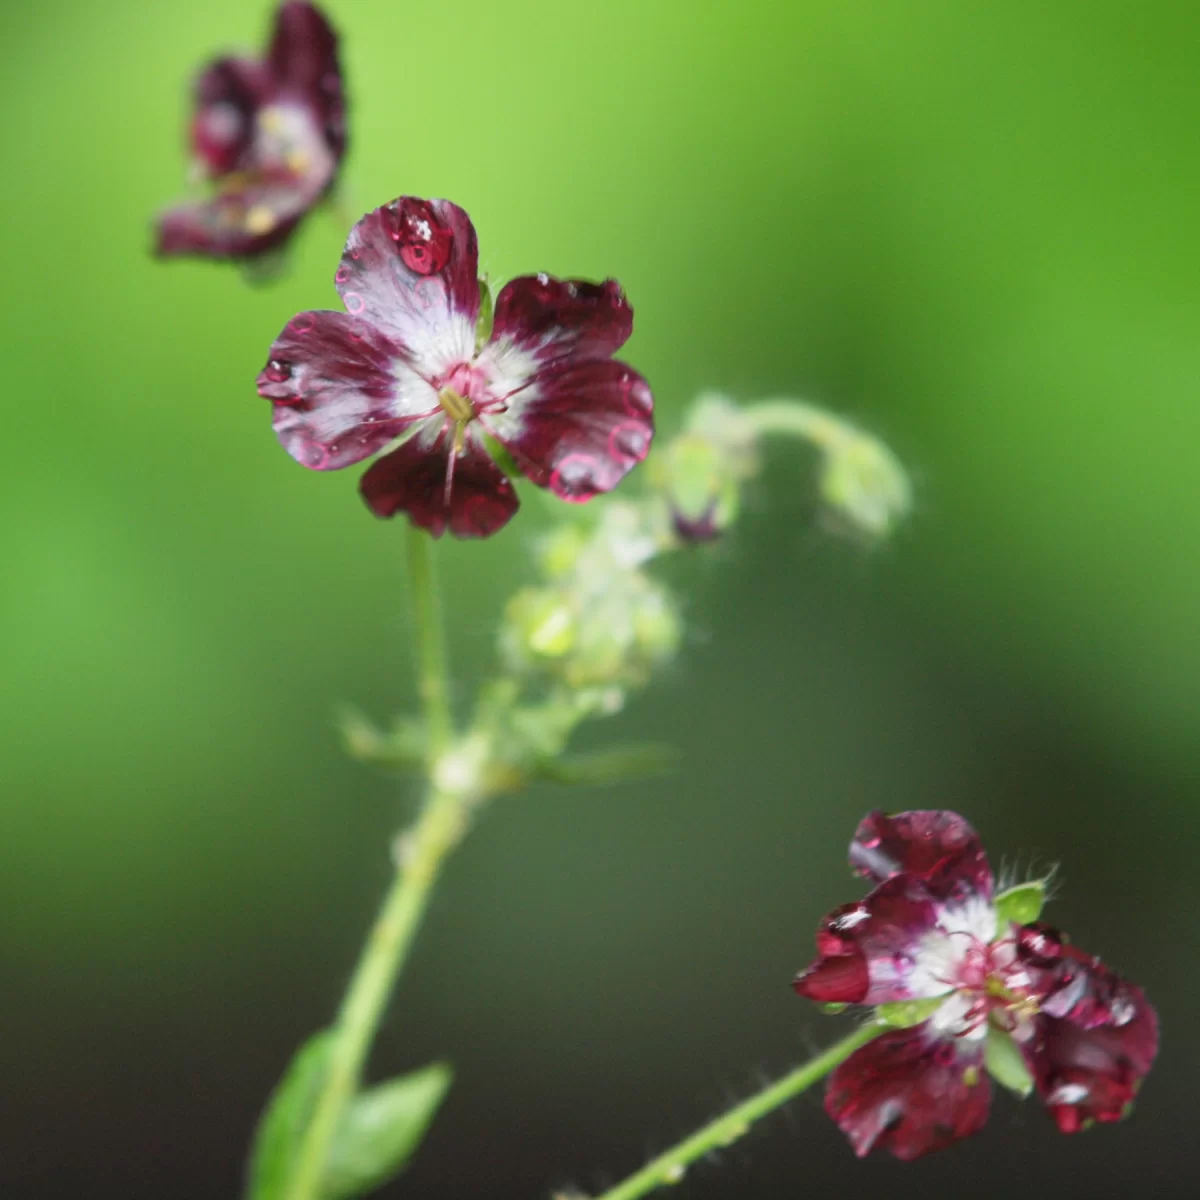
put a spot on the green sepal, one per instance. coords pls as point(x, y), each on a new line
point(903, 1013)
point(1020, 905)
point(282, 1124)
point(380, 1131)
point(483, 323)
point(503, 459)
point(834, 1009)
point(1006, 1063)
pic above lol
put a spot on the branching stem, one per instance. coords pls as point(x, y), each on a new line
point(420, 855)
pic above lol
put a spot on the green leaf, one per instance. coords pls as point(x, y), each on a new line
point(381, 1129)
point(1006, 1063)
point(405, 747)
point(280, 1128)
point(618, 765)
point(1021, 904)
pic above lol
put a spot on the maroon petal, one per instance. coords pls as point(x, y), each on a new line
point(867, 952)
point(1086, 1075)
point(228, 93)
point(303, 62)
point(1069, 984)
point(410, 267)
point(413, 479)
point(340, 389)
point(578, 429)
point(556, 319)
point(230, 226)
point(303, 45)
point(937, 845)
point(909, 1092)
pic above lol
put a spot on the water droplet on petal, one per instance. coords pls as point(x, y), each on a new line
point(343, 273)
point(277, 371)
point(629, 440)
point(574, 478)
point(304, 323)
point(425, 240)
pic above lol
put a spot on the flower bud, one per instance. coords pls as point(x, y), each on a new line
point(699, 473)
point(701, 493)
point(539, 624)
point(863, 484)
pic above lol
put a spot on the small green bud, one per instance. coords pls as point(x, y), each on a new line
point(700, 488)
point(834, 1010)
point(1020, 905)
point(539, 623)
point(717, 420)
point(863, 483)
point(1006, 1063)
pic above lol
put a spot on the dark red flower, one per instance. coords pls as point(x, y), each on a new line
point(268, 137)
point(411, 358)
point(974, 989)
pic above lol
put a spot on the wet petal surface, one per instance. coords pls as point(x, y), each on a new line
point(1092, 1074)
point(909, 1092)
point(935, 844)
point(413, 479)
point(578, 429)
point(410, 267)
point(553, 320)
point(339, 389)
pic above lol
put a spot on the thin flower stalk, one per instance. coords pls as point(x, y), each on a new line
point(670, 1166)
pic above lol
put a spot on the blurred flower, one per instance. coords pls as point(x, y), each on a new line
point(970, 988)
point(416, 354)
point(268, 136)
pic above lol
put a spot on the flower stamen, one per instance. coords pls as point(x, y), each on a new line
point(457, 407)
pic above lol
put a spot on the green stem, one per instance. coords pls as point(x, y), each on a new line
point(420, 856)
point(669, 1168)
point(799, 419)
point(432, 674)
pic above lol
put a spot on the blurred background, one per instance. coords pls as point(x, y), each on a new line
point(971, 228)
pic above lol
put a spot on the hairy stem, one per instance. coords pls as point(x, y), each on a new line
point(669, 1167)
point(419, 858)
point(798, 419)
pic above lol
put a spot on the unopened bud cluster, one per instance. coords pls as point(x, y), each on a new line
point(598, 624)
point(700, 474)
point(598, 620)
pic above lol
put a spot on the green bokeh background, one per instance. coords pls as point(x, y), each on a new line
point(970, 227)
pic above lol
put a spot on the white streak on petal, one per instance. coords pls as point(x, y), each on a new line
point(507, 370)
point(958, 1018)
point(941, 954)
